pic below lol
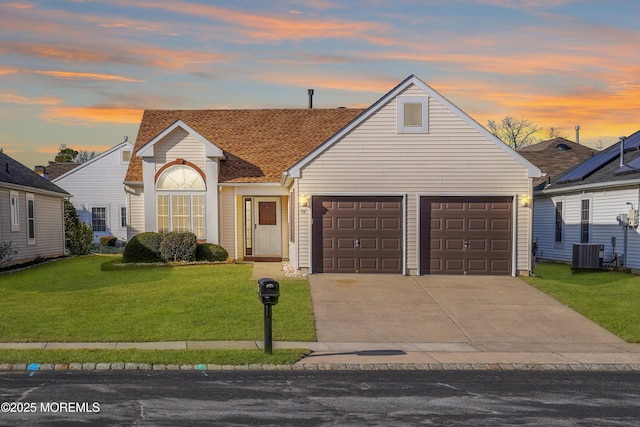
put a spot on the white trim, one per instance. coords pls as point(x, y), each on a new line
point(296, 170)
point(593, 186)
point(29, 197)
point(400, 110)
point(14, 209)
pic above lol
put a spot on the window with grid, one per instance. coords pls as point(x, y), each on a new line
point(559, 222)
point(584, 222)
point(31, 219)
point(198, 216)
point(99, 219)
point(15, 211)
point(123, 216)
point(163, 214)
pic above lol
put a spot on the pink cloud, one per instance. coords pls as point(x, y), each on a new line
point(10, 97)
point(92, 115)
point(69, 75)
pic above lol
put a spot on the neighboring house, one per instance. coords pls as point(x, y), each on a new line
point(582, 205)
point(55, 169)
point(411, 185)
point(98, 192)
point(31, 212)
point(554, 157)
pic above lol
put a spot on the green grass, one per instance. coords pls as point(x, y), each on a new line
point(216, 357)
point(73, 300)
point(611, 299)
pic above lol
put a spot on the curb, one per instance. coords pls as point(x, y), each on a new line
point(323, 367)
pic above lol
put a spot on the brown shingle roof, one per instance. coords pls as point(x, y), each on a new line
point(553, 158)
point(258, 144)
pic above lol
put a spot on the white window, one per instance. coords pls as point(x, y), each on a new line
point(413, 114)
point(180, 201)
point(15, 211)
point(31, 219)
point(99, 219)
point(123, 216)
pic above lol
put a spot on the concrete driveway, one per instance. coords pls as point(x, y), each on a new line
point(489, 313)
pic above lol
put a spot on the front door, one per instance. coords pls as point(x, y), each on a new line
point(267, 227)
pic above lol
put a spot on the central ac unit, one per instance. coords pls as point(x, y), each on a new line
point(587, 255)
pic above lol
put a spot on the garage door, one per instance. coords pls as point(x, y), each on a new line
point(465, 235)
point(357, 234)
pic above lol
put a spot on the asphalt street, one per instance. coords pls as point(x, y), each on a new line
point(316, 398)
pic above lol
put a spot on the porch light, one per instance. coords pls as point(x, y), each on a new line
point(524, 200)
point(303, 200)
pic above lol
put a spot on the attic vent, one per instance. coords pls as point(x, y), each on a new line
point(413, 114)
point(563, 147)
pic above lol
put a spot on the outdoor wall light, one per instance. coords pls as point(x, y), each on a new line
point(524, 200)
point(303, 200)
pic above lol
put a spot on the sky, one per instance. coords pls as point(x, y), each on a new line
point(81, 72)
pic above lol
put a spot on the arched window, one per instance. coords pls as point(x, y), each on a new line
point(180, 200)
point(180, 177)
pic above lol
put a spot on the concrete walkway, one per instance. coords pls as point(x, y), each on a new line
point(428, 322)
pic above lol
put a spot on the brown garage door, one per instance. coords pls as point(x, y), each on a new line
point(357, 234)
point(465, 235)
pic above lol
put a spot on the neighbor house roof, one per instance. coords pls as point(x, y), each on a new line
point(258, 144)
point(602, 169)
point(555, 156)
point(15, 174)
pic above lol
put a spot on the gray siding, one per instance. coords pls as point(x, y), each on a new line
point(606, 205)
point(452, 159)
point(49, 228)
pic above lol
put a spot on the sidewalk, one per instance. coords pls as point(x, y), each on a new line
point(368, 356)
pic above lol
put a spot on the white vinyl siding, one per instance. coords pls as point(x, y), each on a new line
point(135, 199)
point(453, 159)
point(178, 144)
point(228, 222)
point(105, 173)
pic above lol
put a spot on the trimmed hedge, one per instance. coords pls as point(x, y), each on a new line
point(143, 248)
point(211, 252)
point(178, 247)
point(108, 240)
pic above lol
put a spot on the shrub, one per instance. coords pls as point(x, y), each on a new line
point(80, 239)
point(7, 253)
point(178, 247)
point(108, 240)
point(211, 252)
point(143, 247)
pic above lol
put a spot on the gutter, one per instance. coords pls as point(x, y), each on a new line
point(593, 186)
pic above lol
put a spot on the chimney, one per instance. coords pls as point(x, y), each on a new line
point(577, 134)
point(310, 92)
point(622, 138)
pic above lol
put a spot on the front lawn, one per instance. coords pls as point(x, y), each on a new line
point(611, 299)
point(73, 300)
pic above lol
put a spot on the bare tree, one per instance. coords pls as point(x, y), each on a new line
point(516, 133)
point(554, 132)
point(84, 156)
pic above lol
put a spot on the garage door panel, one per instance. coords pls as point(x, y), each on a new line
point(484, 223)
point(367, 234)
point(345, 223)
point(345, 243)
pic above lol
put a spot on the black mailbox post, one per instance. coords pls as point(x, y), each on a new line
point(269, 293)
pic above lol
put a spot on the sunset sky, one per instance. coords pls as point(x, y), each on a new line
point(81, 72)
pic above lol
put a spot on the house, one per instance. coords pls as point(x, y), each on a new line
point(410, 185)
point(98, 192)
point(31, 212)
point(55, 169)
point(555, 156)
point(583, 206)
